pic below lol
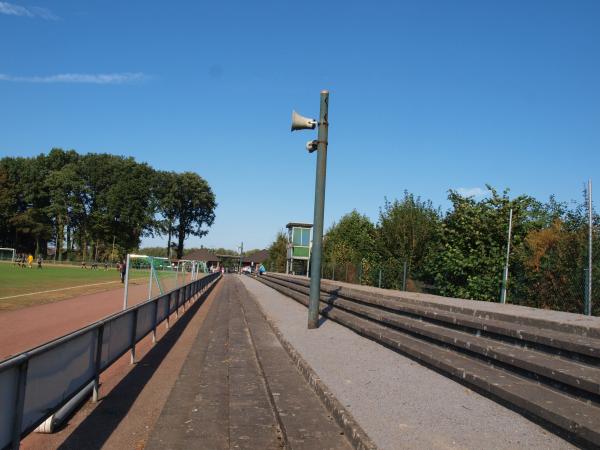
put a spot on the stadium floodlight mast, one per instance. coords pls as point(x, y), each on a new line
point(320, 145)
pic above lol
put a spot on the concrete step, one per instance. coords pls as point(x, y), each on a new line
point(553, 339)
point(553, 368)
point(579, 420)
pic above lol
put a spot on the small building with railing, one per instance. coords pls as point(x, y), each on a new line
point(299, 248)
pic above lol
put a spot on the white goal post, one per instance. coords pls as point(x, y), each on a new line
point(7, 254)
point(156, 265)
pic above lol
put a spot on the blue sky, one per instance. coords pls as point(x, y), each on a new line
point(425, 96)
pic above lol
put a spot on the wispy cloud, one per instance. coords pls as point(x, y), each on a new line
point(90, 78)
point(475, 192)
point(10, 9)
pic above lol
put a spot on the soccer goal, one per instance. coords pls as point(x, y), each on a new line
point(7, 254)
point(161, 274)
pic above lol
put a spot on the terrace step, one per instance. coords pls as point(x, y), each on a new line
point(489, 365)
point(555, 340)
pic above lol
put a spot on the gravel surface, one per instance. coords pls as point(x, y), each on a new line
point(399, 403)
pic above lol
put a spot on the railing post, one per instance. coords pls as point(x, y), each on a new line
point(133, 333)
point(19, 405)
point(155, 320)
point(168, 307)
point(97, 364)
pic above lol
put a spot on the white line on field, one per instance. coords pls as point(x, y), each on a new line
point(56, 290)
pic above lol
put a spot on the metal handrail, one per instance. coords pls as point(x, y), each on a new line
point(21, 361)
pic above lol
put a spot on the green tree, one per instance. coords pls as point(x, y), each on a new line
point(350, 245)
point(406, 232)
point(277, 254)
point(194, 208)
point(468, 259)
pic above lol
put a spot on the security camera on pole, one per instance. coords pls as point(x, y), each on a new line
point(320, 145)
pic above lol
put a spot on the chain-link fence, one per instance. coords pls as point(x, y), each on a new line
point(549, 286)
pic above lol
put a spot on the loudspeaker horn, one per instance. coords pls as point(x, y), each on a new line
point(302, 123)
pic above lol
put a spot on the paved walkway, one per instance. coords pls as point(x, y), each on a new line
point(399, 403)
point(239, 389)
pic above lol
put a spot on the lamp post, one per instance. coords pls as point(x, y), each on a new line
point(320, 145)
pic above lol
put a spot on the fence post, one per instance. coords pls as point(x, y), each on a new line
point(379, 277)
point(404, 277)
point(333, 273)
point(98, 363)
point(588, 284)
point(19, 405)
point(133, 333)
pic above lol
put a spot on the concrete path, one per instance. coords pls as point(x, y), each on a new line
point(131, 396)
point(239, 389)
point(399, 403)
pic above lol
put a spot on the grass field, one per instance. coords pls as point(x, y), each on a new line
point(15, 281)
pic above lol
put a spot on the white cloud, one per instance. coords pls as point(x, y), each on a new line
point(11, 9)
point(475, 192)
point(93, 78)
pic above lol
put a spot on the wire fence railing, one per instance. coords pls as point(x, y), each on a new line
point(561, 290)
point(38, 382)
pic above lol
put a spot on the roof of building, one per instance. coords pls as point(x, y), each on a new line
point(201, 254)
point(257, 257)
point(298, 224)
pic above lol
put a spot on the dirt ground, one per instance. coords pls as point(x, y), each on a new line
point(29, 327)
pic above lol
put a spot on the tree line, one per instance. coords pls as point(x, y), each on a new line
point(97, 206)
point(461, 252)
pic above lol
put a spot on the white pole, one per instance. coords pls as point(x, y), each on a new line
point(505, 276)
point(150, 278)
point(588, 305)
point(126, 281)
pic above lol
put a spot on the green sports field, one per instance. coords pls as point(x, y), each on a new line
point(16, 281)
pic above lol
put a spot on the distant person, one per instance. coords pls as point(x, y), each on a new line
point(105, 265)
point(39, 261)
point(123, 270)
point(29, 260)
point(262, 270)
point(83, 265)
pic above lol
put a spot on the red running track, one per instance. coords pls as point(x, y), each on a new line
point(29, 327)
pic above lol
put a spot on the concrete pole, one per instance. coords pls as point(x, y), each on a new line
point(241, 253)
point(404, 276)
point(588, 297)
point(315, 269)
point(505, 274)
point(126, 281)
